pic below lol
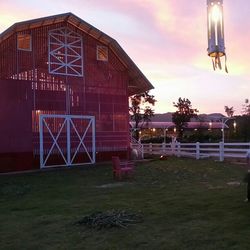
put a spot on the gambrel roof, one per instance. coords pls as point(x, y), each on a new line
point(138, 83)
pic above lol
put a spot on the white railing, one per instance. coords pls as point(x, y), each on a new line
point(138, 147)
point(199, 150)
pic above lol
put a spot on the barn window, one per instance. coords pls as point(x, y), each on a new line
point(102, 53)
point(24, 42)
point(65, 52)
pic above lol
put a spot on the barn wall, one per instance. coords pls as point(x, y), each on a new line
point(15, 129)
point(102, 91)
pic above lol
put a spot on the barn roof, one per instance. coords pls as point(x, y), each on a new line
point(138, 83)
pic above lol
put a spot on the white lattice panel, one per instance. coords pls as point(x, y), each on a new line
point(65, 52)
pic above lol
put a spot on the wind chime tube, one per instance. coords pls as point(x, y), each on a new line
point(215, 27)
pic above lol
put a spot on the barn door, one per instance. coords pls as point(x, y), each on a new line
point(66, 140)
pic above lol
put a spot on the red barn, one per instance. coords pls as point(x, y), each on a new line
point(64, 88)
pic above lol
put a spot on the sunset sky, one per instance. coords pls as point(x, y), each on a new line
point(167, 39)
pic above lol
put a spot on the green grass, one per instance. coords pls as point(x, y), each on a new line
point(186, 204)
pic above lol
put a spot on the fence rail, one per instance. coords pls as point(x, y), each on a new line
point(199, 150)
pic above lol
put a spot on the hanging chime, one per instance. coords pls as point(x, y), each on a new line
point(215, 27)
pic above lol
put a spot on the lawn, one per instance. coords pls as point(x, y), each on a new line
point(185, 204)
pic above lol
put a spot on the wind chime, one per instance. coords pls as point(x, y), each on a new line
point(215, 26)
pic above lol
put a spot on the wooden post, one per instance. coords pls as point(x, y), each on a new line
point(248, 158)
point(173, 148)
point(197, 150)
point(178, 149)
point(164, 148)
point(150, 148)
point(221, 146)
point(142, 151)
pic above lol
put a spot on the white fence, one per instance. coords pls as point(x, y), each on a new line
point(199, 150)
point(138, 147)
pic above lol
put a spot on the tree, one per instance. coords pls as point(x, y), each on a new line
point(183, 114)
point(246, 107)
point(242, 131)
point(140, 110)
point(229, 111)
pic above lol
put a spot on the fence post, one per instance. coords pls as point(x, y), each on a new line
point(164, 148)
point(150, 148)
point(142, 151)
point(178, 149)
point(221, 145)
point(172, 145)
point(197, 150)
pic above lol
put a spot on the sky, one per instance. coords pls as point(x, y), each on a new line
point(167, 40)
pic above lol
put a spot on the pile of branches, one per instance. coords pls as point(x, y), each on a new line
point(110, 218)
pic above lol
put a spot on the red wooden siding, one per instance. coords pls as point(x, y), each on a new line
point(15, 128)
point(102, 92)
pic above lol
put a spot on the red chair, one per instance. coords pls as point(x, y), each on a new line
point(121, 169)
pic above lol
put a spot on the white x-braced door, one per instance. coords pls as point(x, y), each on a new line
point(66, 140)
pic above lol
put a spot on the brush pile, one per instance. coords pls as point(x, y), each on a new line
point(110, 219)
